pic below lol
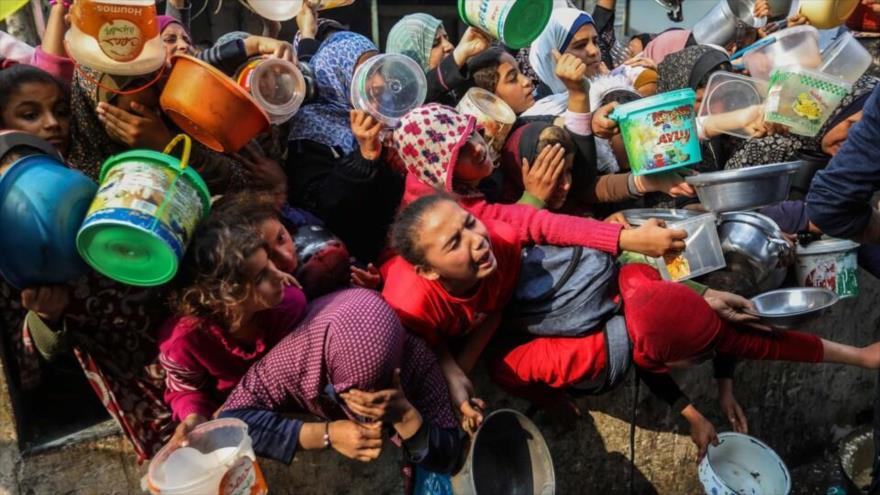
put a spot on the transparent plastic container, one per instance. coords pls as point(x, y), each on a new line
point(284, 10)
point(277, 86)
point(388, 86)
point(845, 58)
point(803, 99)
point(798, 45)
point(492, 113)
point(702, 253)
point(730, 102)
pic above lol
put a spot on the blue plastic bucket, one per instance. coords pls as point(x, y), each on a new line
point(660, 132)
point(42, 204)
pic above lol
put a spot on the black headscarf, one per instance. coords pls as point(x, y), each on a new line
point(688, 68)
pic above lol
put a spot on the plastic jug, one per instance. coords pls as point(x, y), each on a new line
point(119, 37)
point(283, 10)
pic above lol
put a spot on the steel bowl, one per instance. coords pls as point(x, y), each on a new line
point(745, 188)
point(794, 307)
point(755, 246)
point(639, 216)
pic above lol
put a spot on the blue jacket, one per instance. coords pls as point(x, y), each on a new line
point(839, 201)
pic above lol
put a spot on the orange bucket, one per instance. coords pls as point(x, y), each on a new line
point(211, 107)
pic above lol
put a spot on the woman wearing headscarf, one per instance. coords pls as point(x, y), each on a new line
point(568, 31)
point(422, 38)
point(337, 176)
point(667, 43)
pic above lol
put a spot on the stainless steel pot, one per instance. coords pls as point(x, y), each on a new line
point(728, 21)
point(639, 216)
point(744, 188)
point(754, 245)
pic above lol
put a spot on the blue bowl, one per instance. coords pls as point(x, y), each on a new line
point(42, 204)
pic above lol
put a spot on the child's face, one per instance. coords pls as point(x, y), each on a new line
point(440, 49)
point(267, 287)
point(513, 86)
point(474, 162)
point(834, 138)
point(560, 194)
point(457, 248)
point(282, 250)
point(42, 110)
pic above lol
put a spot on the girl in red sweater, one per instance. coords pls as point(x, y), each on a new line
point(455, 275)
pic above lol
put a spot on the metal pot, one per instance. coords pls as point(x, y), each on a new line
point(727, 22)
point(813, 161)
point(507, 455)
point(793, 307)
point(754, 245)
point(639, 216)
point(744, 188)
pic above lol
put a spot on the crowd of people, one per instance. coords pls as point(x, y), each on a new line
point(457, 253)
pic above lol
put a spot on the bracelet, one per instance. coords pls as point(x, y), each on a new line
point(631, 186)
point(327, 435)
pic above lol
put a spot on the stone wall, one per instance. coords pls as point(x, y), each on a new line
point(799, 410)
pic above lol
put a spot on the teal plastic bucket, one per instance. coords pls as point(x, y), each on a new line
point(660, 132)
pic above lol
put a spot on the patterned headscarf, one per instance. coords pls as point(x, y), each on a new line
point(686, 68)
point(428, 140)
point(326, 119)
point(563, 24)
point(414, 36)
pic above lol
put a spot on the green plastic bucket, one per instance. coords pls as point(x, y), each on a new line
point(143, 216)
point(516, 23)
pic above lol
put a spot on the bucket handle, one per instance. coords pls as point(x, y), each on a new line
point(184, 161)
point(123, 92)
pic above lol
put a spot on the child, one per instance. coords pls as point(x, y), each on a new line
point(33, 101)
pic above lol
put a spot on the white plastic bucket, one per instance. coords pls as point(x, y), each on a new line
point(829, 263)
point(743, 464)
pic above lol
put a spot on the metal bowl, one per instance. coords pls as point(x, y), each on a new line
point(745, 188)
point(790, 308)
point(639, 216)
point(754, 245)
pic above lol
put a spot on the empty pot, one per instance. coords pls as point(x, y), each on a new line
point(754, 245)
point(726, 22)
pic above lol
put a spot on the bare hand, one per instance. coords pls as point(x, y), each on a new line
point(366, 130)
point(762, 9)
point(461, 391)
point(873, 5)
point(571, 70)
point(797, 20)
point(142, 127)
point(368, 279)
point(732, 307)
point(289, 280)
point(730, 407)
point(542, 178)
point(386, 406)
point(183, 429)
point(604, 127)
point(619, 218)
point(670, 183)
point(47, 302)
point(653, 239)
point(261, 45)
point(472, 43)
point(703, 434)
point(261, 172)
point(307, 19)
point(356, 441)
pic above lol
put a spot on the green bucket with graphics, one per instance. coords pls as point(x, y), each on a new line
point(516, 23)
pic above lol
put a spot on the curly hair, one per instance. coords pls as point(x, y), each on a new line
point(212, 283)
point(255, 207)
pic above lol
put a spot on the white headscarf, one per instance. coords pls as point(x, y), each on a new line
point(556, 36)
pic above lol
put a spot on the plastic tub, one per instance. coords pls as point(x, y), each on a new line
point(827, 14)
point(845, 58)
point(143, 217)
point(42, 204)
point(284, 10)
point(803, 99)
point(492, 113)
point(798, 45)
point(218, 459)
point(516, 23)
point(731, 100)
point(660, 132)
point(743, 464)
point(726, 21)
point(209, 106)
point(829, 263)
point(276, 85)
point(119, 37)
point(388, 86)
point(702, 253)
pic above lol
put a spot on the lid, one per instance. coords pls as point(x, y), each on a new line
point(728, 92)
point(127, 254)
point(820, 77)
point(276, 10)
point(490, 105)
point(525, 21)
point(388, 86)
point(279, 87)
point(685, 96)
point(827, 245)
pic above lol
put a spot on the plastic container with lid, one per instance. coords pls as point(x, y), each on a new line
point(830, 263)
point(388, 86)
point(730, 102)
point(277, 86)
point(284, 10)
point(702, 253)
point(798, 45)
point(119, 37)
point(492, 113)
point(827, 14)
point(845, 58)
point(803, 99)
point(660, 132)
point(516, 23)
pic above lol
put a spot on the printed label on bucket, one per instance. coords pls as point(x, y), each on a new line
point(121, 40)
point(244, 477)
point(489, 15)
point(660, 139)
point(837, 272)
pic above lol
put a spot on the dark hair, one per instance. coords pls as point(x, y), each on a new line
point(17, 75)
point(16, 153)
point(484, 68)
point(251, 206)
point(404, 232)
point(555, 135)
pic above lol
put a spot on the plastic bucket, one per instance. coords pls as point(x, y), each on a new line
point(803, 99)
point(660, 132)
point(144, 215)
point(276, 85)
point(42, 204)
point(388, 86)
point(727, 21)
point(284, 10)
point(702, 253)
point(743, 464)
point(516, 23)
point(798, 45)
point(827, 14)
point(219, 459)
point(118, 37)
point(492, 113)
point(845, 58)
point(829, 263)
